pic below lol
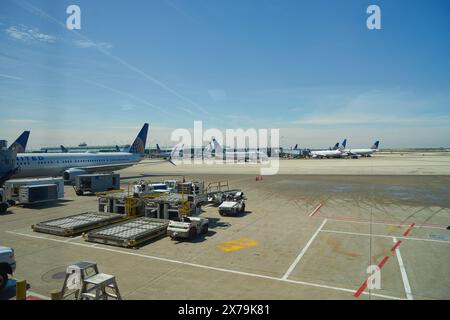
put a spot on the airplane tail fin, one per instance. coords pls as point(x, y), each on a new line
point(117, 148)
point(172, 153)
point(158, 148)
point(63, 149)
point(20, 144)
point(217, 146)
point(375, 145)
point(138, 145)
point(336, 146)
point(208, 148)
point(296, 146)
point(344, 143)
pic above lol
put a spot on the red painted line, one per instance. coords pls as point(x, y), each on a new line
point(33, 298)
point(383, 262)
point(361, 289)
point(316, 210)
point(409, 229)
point(396, 246)
point(364, 284)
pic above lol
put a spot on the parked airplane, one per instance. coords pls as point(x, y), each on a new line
point(335, 152)
point(294, 152)
point(112, 149)
point(163, 154)
point(361, 152)
point(247, 156)
point(69, 165)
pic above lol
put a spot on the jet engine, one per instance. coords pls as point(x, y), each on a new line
point(70, 174)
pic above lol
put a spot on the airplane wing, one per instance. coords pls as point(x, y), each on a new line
point(113, 167)
point(107, 166)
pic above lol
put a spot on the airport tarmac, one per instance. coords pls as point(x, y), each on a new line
point(382, 163)
point(310, 232)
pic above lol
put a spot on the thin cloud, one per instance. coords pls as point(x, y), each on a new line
point(372, 119)
point(127, 107)
point(92, 44)
point(180, 10)
point(29, 34)
point(22, 121)
point(217, 94)
point(7, 76)
point(39, 12)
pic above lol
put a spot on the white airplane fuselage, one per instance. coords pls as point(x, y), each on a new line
point(246, 155)
point(326, 153)
point(54, 164)
point(361, 152)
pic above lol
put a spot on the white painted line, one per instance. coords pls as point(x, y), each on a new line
point(310, 284)
point(302, 253)
point(387, 223)
point(383, 236)
point(403, 272)
point(74, 238)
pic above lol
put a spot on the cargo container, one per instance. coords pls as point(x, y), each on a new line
point(38, 194)
point(11, 192)
point(92, 183)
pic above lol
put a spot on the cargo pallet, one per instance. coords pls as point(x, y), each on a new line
point(77, 224)
point(129, 233)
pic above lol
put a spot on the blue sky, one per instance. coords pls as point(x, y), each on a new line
point(310, 67)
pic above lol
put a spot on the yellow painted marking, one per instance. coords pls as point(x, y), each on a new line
point(392, 229)
point(238, 244)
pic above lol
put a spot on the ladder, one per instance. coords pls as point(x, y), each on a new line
point(85, 282)
point(96, 288)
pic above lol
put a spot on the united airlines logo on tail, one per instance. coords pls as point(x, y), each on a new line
point(20, 144)
point(138, 146)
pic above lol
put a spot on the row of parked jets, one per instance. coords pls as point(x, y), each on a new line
point(16, 163)
point(335, 152)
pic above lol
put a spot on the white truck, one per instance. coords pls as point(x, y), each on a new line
point(187, 227)
point(233, 204)
point(142, 188)
point(7, 265)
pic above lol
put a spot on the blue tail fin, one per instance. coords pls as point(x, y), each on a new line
point(63, 149)
point(344, 143)
point(20, 144)
point(375, 145)
point(138, 145)
point(336, 146)
point(296, 146)
point(158, 148)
